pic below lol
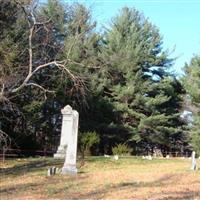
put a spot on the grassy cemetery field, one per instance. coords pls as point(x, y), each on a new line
point(72, 84)
point(100, 178)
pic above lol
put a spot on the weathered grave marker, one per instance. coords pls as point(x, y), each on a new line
point(67, 124)
point(72, 134)
point(116, 157)
point(68, 141)
point(167, 156)
point(51, 171)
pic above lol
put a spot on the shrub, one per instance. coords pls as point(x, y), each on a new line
point(121, 149)
point(87, 140)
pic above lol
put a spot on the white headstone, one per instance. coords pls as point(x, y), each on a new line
point(149, 157)
point(49, 172)
point(67, 122)
point(71, 153)
point(194, 163)
point(116, 157)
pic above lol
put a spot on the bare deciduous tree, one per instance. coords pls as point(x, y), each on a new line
point(14, 80)
point(32, 67)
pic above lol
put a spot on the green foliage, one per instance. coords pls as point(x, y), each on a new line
point(196, 141)
point(191, 82)
point(87, 140)
point(145, 97)
point(120, 84)
point(121, 149)
point(54, 10)
point(56, 40)
point(192, 79)
point(195, 134)
point(33, 107)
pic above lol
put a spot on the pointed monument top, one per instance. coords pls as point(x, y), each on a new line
point(67, 110)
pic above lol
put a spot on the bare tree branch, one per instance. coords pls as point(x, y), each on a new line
point(82, 65)
point(55, 63)
point(41, 88)
point(30, 50)
point(32, 68)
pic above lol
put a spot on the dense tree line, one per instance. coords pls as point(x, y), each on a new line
point(119, 81)
point(191, 81)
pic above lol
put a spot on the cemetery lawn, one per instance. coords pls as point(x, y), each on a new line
point(100, 178)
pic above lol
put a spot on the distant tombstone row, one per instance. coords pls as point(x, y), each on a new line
point(149, 157)
point(68, 140)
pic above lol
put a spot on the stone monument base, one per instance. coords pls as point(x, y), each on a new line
point(69, 169)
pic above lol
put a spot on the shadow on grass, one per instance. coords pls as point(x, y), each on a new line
point(100, 193)
point(30, 166)
point(50, 186)
point(20, 188)
point(183, 195)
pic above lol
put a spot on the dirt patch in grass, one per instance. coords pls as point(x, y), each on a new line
point(101, 178)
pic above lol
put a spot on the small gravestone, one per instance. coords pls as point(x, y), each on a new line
point(149, 157)
point(167, 156)
point(72, 135)
point(116, 157)
point(51, 171)
point(194, 163)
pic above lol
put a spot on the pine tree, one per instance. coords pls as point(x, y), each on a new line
point(136, 82)
point(191, 82)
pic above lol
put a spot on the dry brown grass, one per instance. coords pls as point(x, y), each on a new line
point(101, 178)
